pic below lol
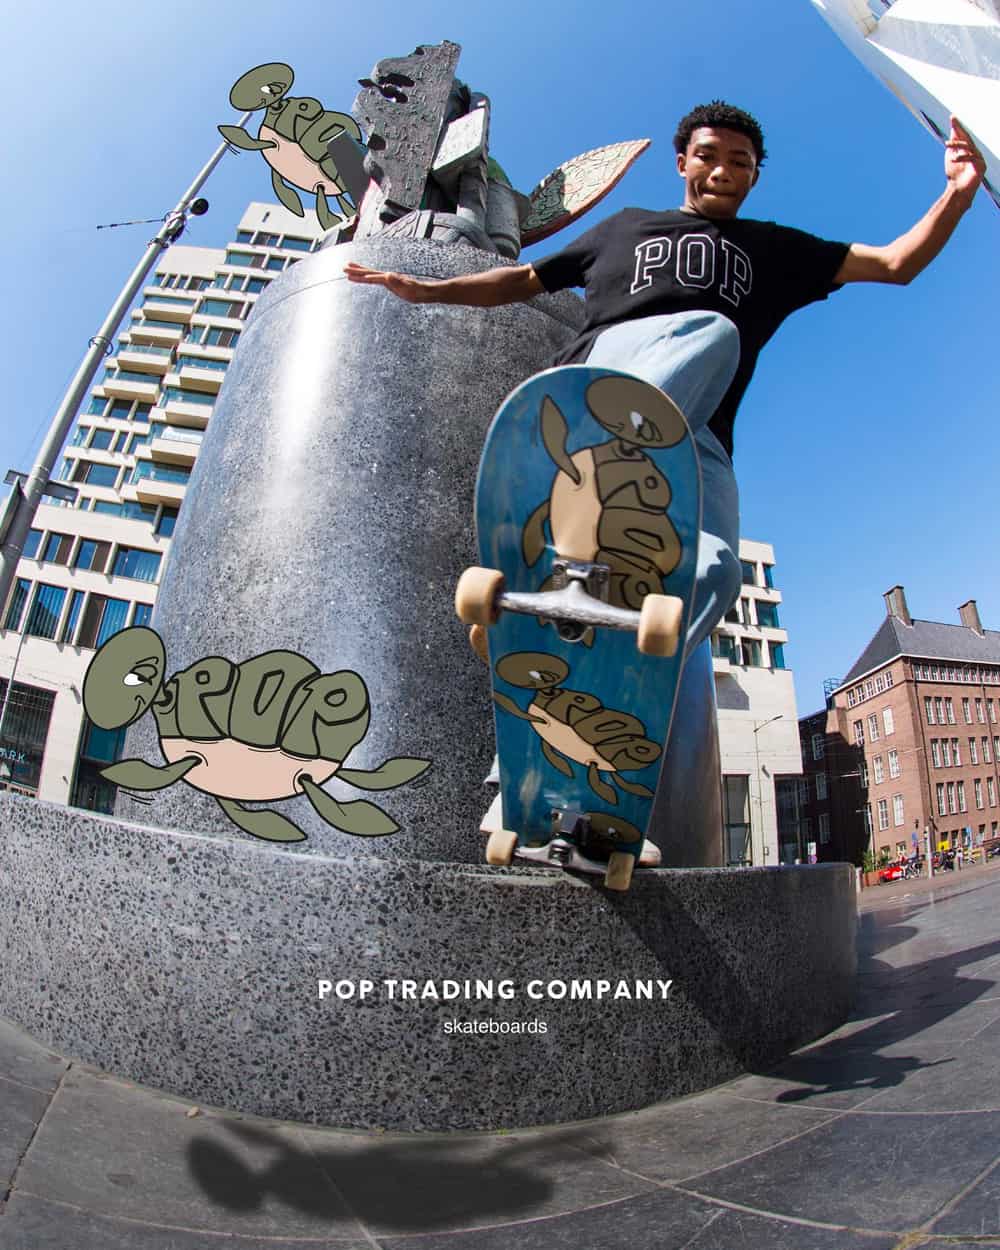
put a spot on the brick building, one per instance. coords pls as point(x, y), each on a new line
point(920, 710)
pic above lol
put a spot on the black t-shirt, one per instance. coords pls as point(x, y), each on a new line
point(642, 264)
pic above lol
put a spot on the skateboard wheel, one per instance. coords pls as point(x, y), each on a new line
point(660, 622)
point(619, 873)
point(500, 848)
point(476, 596)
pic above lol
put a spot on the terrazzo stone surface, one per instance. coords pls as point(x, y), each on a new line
point(193, 965)
point(330, 513)
point(758, 1164)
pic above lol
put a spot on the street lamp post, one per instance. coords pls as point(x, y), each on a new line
point(27, 490)
point(760, 788)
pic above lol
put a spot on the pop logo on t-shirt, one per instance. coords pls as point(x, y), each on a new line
point(696, 264)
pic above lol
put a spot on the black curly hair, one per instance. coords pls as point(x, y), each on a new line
point(723, 115)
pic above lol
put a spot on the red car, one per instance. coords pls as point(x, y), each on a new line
point(894, 872)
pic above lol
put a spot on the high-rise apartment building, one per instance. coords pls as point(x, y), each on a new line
point(758, 731)
point(92, 569)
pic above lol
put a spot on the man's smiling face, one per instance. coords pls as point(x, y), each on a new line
point(719, 167)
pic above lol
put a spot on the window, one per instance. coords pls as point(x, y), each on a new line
point(977, 787)
point(940, 798)
point(873, 728)
point(864, 775)
point(991, 792)
point(17, 601)
point(961, 796)
point(951, 711)
point(244, 236)
point(182, 395)
point(973, 752)
point(986, 750)
point(946, 752)
point(979, 712)
point(296, 245)
point(936, 752)
point(120, 409)
point(102, 617)
point(897, 809)
point(767, 615)
point(221, 307)
point(45, 611)
point(893, 763)
point(750, 650)
point(725, 648)
point(859, 734)
point(275, 262)
point(992, 711)
point(166, 523)
point(929, 710)
point(749, 571)
point(878, 770)
point(142, 614)
point(134, 562)
point(967, 711)
point(803, 788)
point(221, 338)
point(883, 814)
point(736, 809)
point(57, 548)
point(957, 750)
point(887, 721)
point(251, 260)
point(95, 474)
point(821, 786)
point(159, 473)
point(31, 544)
point(69, 629)
point(951, 796)
point(777, 654)
point(92, 555)
point(254, 286)
point(818, 746)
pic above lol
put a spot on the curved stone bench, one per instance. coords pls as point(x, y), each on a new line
point(192, 963)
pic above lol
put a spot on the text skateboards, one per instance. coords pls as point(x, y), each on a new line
point(588, 507)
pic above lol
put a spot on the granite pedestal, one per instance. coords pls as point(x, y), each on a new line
point(330, 513)
point(192, 964)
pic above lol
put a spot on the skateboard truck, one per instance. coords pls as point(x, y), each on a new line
point(481, 597)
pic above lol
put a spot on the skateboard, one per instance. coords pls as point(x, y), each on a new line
point(588, 507)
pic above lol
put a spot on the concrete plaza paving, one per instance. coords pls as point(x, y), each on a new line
point(883, 1135)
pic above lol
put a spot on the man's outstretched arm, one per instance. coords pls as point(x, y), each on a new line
point(503, 285)
point(901, 260)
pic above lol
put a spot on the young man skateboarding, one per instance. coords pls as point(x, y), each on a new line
point(686, 298)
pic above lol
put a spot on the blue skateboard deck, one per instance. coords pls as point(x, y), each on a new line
point(588, 495)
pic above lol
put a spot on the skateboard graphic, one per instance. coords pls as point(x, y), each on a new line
point(588, 507)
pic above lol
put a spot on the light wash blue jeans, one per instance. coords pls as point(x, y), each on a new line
point(693, 358)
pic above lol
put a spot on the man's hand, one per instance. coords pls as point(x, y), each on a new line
point(964, 165)
point(900, 261)
point(413, 290)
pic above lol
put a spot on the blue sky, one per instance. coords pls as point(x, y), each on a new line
point(867, 445)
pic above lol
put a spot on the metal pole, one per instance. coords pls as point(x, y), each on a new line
point(36, 485)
